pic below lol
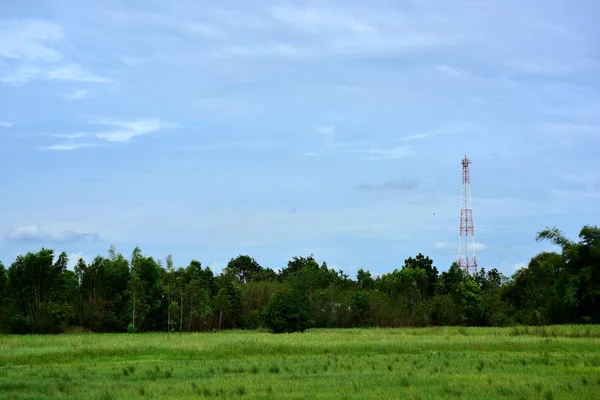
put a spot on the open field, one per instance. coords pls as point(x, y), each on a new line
point(560, 362)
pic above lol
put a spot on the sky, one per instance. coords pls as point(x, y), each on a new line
point(290, 128)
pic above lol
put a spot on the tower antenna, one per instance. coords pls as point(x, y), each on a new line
point(466, 247)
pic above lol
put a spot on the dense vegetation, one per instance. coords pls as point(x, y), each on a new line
point(557, 362)
point(38, 294)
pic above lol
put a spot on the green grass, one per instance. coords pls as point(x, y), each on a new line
point(561, 362)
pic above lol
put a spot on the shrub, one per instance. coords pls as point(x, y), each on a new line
point(131, 328)
point(288, 312)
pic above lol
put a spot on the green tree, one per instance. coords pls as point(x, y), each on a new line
point(200, 285)
point(169, 285)
point(360, 309)
point(36, 282)
point(426, 264)
point(145, 292)
point(288, 311)
point(365, 280)
point(244, 268)
point(3, 281)
point(4, 303)
point(578, 275)
point(468, 296)
point(449, 280)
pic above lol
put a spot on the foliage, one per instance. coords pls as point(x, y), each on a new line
point(38, 294)
point(288, 311)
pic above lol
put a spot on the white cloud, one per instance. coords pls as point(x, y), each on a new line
point(322, 31)
point(254, 145)
point(72, 135)
point(32, 233)
point(32, 48)
point(574, 193)
point(133, 61)
point(315, 20)
point(217, 266)
point(28, 40)
point(71, 146)
point(129, 129)
point(518, 266)
point(480, 246)
point(567, 129)
point(425, 135)
point(276, 49)
point(414, 137)
point(74, 259)
point(450, 71)
point(394, 152)
point(328, 132)
point(540, 66)
point(71, 72)
point(5, 124)
point(78, 95)
point(362, 227)
point(454, 246)
point(22, 74)
point(126, 130)
point(74, 72)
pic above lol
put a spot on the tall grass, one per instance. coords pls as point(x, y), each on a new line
point(424, 363)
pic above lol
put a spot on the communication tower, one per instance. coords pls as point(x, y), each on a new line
point(466, 247)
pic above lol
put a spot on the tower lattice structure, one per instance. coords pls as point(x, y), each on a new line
point(466, 248)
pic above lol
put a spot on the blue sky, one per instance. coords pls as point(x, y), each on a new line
point(282, 128)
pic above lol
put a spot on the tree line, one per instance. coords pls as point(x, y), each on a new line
point(112, 293)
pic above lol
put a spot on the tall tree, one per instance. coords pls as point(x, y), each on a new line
point(244, 268)
point(426, 264)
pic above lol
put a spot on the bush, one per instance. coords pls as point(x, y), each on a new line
point(288, 312)
point(131, 328)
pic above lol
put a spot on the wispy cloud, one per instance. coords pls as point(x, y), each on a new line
point(5, 124)
point(74, 72)
point(70, 72)
point(328, 31)
point(123, 131)
point(134, 61)
point(451, 71)
point(373, 150)
point(71, 146)
point(129, 129)
point(450, 247)
point(415, 137)
point(32, 46)
point(249, 145)
point(574, 193)
point(361, 227)
point(78, 95)
point(22, 74)
point(32, 233)
point(425, 135)
point(30, 40)
point(328, 132)
point(398, 184)
point(540, 66)
point(315, 20)
point(394, 152)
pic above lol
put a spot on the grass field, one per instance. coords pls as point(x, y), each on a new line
point(560, 362)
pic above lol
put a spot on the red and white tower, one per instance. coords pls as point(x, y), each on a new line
point(466, 247)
